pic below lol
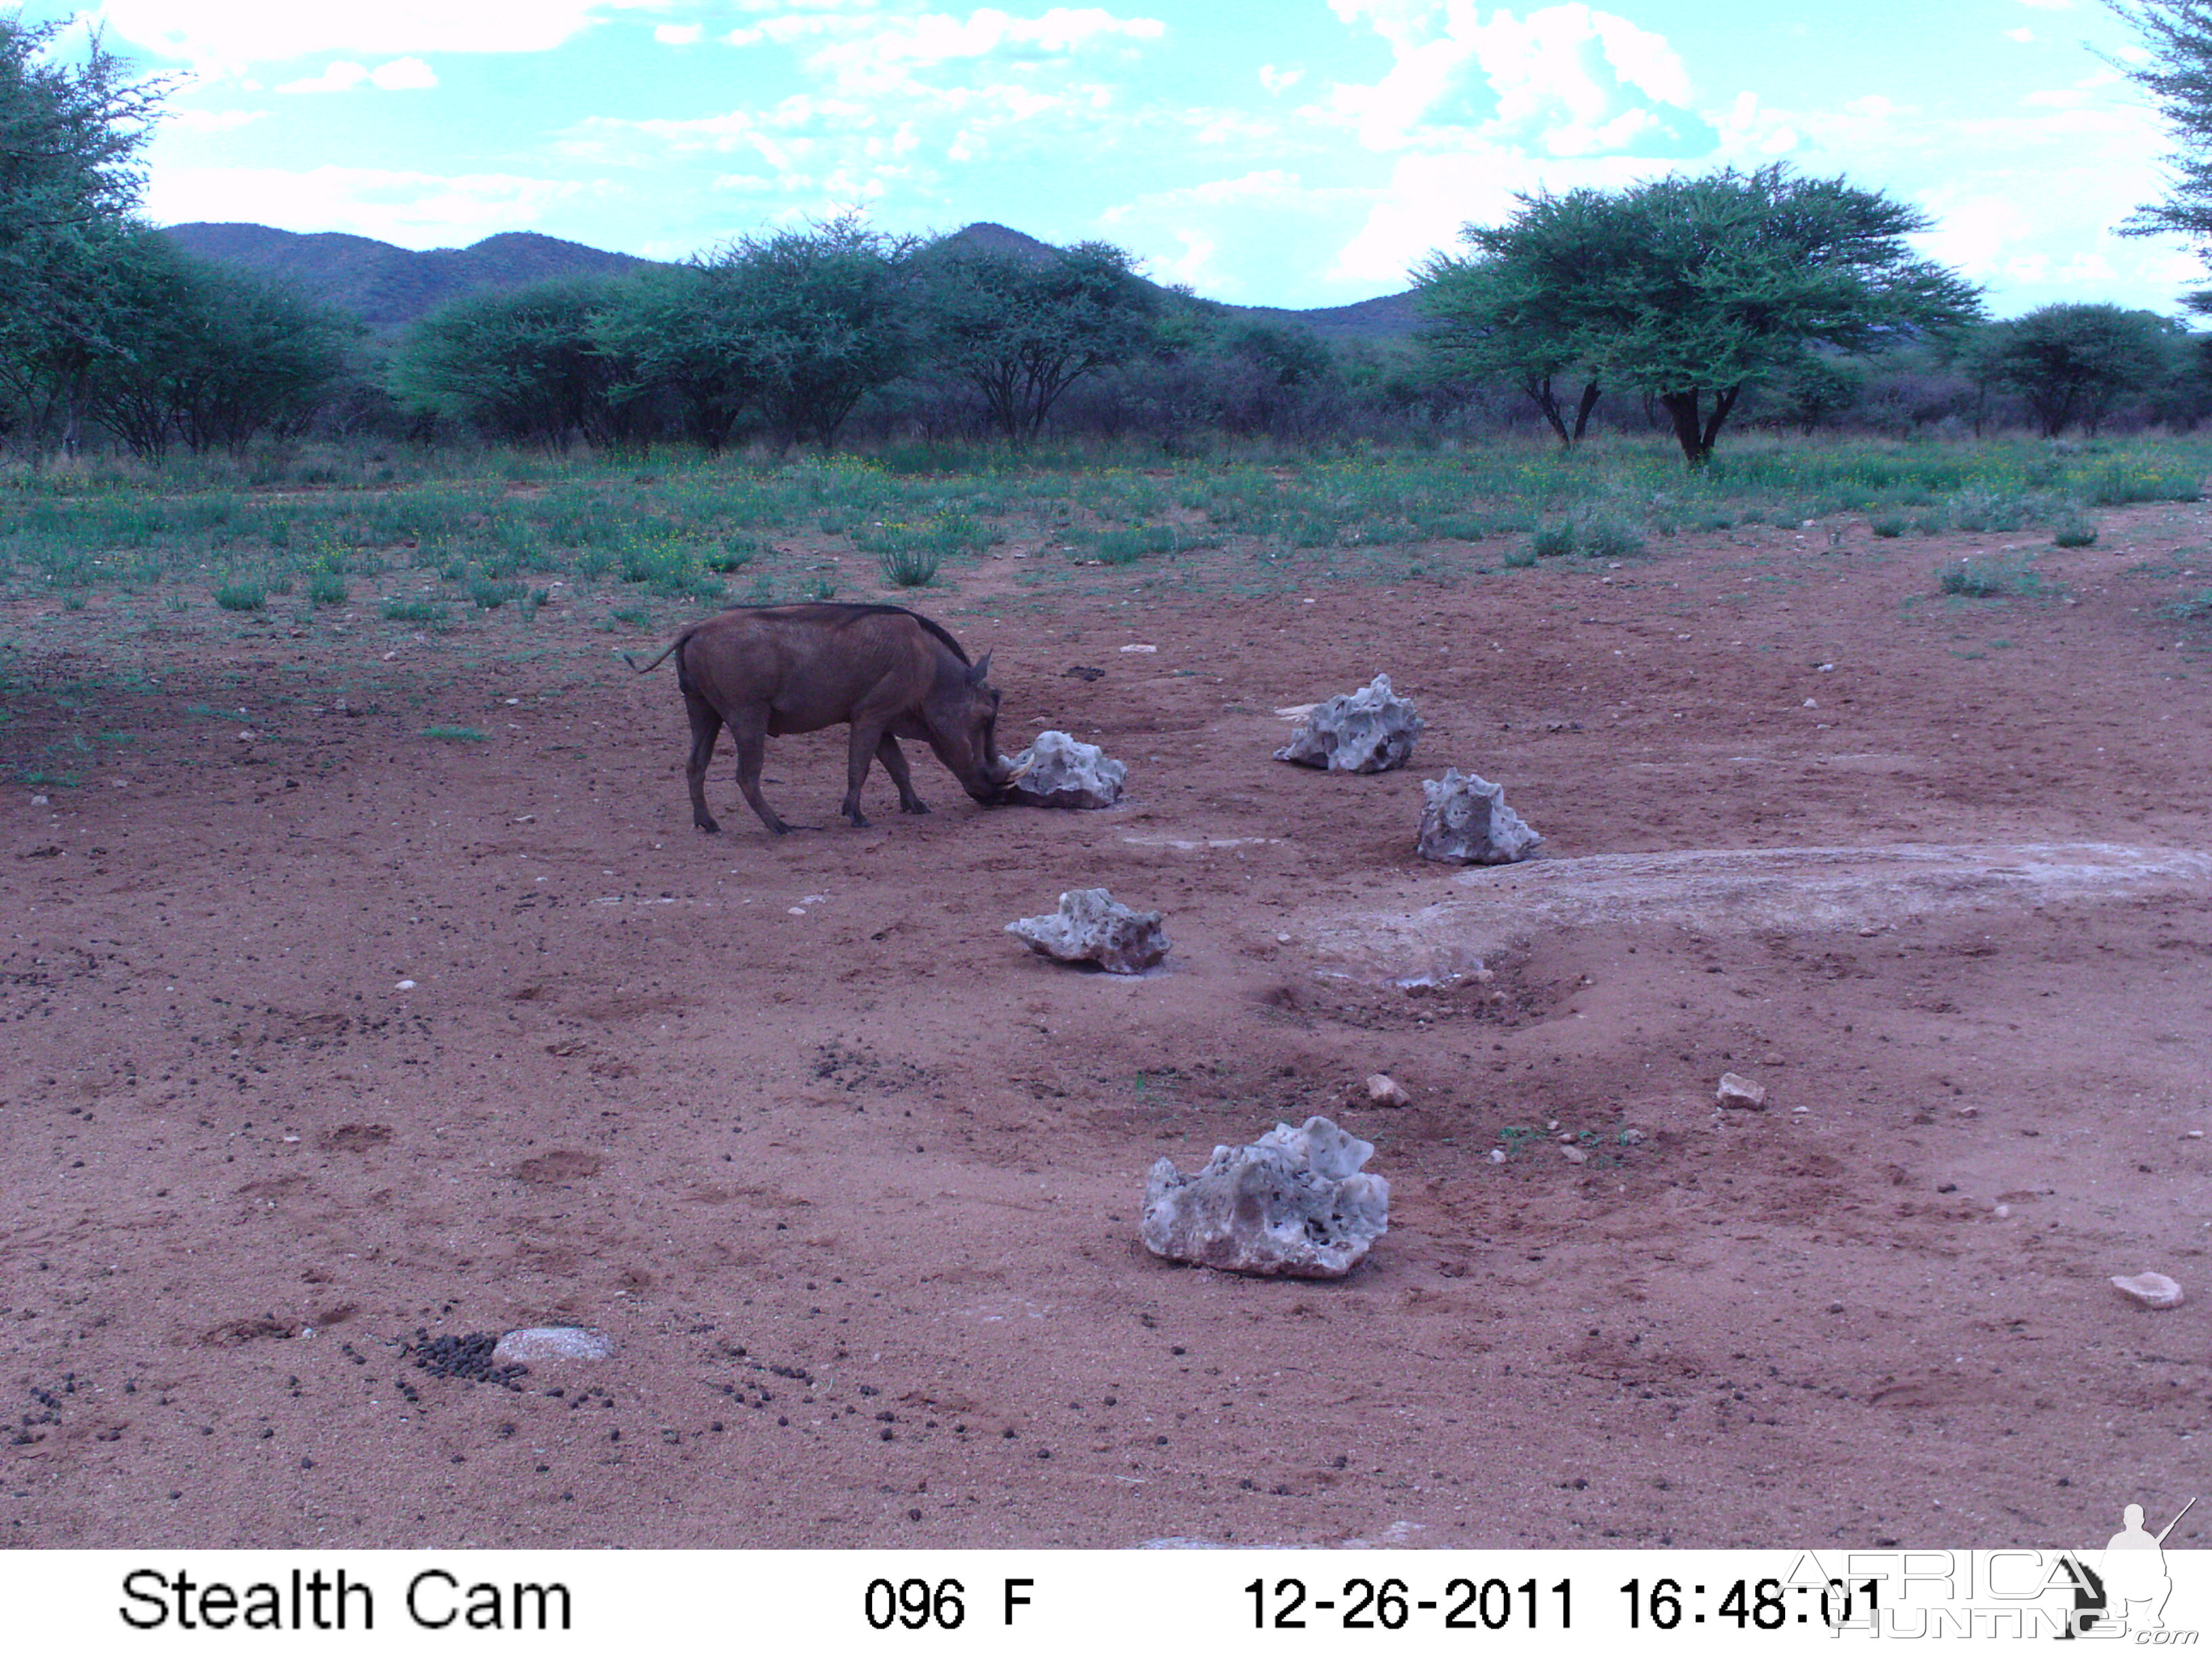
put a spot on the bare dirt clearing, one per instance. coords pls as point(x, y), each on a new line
point(852, 1179)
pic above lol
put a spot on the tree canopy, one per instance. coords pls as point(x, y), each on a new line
point(2072, 362)
point(70, 178)
point(1021, 329)
point(1691, 289)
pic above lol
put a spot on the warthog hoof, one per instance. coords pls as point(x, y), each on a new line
point(913, 806)
point(709, 825)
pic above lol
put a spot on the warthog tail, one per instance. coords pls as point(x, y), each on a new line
point(648, 667)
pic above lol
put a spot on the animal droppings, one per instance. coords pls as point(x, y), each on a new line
point(1055, 771)
point(1466, 821)
point(2150, 1289)
point(1741, 1092)
point(1370, 730)
point(1293, 1204)
point(1090, 927)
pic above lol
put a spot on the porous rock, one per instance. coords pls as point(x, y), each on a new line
point(1090, 927)
point(1466, 821)
point(2151, 1290)
point(1293, 1204)
point(1368, 730)
point(1741, 1092)
point(1056, 770)
point(538, 1344)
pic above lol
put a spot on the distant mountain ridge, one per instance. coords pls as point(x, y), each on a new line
point(390, 287)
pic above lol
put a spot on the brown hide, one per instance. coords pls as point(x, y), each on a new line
point(764, 670)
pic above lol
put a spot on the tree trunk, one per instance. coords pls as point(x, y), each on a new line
point(1539, 388)
point(1681, 408)
point(1582, 409)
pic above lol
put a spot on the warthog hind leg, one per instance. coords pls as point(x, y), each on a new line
point(750, 734)
point(706, 727)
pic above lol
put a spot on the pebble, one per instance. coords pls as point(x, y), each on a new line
point(1497, 1155)
point(1631, 1137)
point(1810, 703)
point(1574, 1154)
point(1384, 1089)
point(2002, 1213)
point(404, 984)
point(1147, 649)
point(2151, 1290)
point(536, 1344)
point(38, 800)
point(1740, 1092)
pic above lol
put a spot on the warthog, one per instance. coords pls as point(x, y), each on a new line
point(765, 670)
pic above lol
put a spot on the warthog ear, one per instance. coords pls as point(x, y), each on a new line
point(981, 672)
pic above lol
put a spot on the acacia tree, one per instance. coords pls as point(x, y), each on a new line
point(1691, 289)
point(2073, 362)
point(2179, 35)
point(521, 363)
point(1021, 329)
point(1508, 313)
point(71, 178)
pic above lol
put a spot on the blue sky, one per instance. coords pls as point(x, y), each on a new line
point(1296, 153)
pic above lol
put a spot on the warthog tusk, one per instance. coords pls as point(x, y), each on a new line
point(1021, 771)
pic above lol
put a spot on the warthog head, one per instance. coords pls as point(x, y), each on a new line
point(962, 724)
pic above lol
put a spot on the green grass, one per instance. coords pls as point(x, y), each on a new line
point(456, 734)
point(412, 610)
point(1991, 576)
point(242, 595)
point(326, 587)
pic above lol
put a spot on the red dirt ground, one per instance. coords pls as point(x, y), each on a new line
point(853, 1181)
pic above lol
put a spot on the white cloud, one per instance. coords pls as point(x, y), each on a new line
point(2050, 5)
point(1565, 80)
point(237, 33)
point(1280, 81)
point(400, 75)
point(679, 34)
point(2026, 37)
point(415, 210)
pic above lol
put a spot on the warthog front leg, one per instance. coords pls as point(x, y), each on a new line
point(706, 727)
point(868, 737)
point(894, 760)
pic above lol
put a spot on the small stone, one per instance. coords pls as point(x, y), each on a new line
point(38, 800)
point(1146, 650)
point(1772, 1060)
point(1810, 703)
point(1741, 1092)
point(1382, 1089)
point(2002, 1213)
point(1966, 1111)
point(1055, 771)
point(1293, 1203)
point(404, 984)
point(1368, 730)
point(2151, 1290)
point(1574, 1154)
point(538, 1344)
point(1497, 1155)
point(1090, 927)
point(2194, 1134)
point(1632, 1136)
point(1466, 821)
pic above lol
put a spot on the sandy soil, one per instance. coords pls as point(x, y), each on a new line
point(852, 1180)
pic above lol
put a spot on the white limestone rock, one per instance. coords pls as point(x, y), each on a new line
point(1368, 730)
point(1740, 1092)
point(1466, 821)
point(2151, 1290)
point(1293, 1204)
point(538, 1344)
point(1056, 770)
point(1090, 927)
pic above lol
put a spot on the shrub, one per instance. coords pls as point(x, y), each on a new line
point(735, 553)
point(1988, 509)
point(326, 587)
point(456, 734)
point(1887, 526)
point(241, 596)
point(908, 564)
point(409, 611)
point(490, 595)
point(2074, 530)
point(1552, 541)
point(1993, 577)
point(1610, 538)
point(1520, 558)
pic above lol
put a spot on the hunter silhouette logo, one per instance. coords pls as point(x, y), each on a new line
point(2135, 1581)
